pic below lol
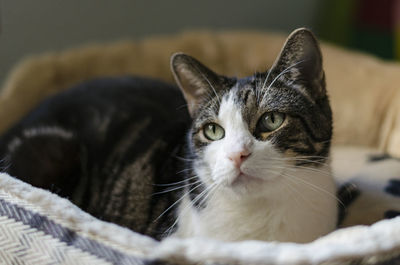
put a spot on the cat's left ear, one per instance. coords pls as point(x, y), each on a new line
point(195, 80)
point(301, 60)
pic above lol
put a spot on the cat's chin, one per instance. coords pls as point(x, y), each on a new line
point(249, 186)
point(245, 179)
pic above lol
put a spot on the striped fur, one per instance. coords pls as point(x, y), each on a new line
point(127, 151)
point(127, 136)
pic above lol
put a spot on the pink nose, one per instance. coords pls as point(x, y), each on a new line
point(239, 157)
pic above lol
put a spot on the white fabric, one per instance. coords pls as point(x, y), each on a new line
point(342, 245)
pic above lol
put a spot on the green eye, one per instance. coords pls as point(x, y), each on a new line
point(270, 121)
point(213, 131)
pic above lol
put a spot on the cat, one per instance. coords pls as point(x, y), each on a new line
point(220, 157)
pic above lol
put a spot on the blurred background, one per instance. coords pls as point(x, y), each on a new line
point(33, 27)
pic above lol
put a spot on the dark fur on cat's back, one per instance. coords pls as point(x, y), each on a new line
point(87, 143)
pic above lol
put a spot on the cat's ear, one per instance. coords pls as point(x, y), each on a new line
point(301, 60)
point(194, 79)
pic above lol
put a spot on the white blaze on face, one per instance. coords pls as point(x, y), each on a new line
point(220, 155)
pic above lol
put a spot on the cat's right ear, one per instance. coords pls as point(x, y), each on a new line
point(194, 79)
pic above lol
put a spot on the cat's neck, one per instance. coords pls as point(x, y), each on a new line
point(299, 212)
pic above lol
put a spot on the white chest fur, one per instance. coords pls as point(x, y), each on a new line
point(275, 200)
point(299, 210)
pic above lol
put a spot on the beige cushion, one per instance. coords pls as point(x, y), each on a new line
point(364, 90)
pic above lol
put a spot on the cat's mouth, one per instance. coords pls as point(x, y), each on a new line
point(245, 179)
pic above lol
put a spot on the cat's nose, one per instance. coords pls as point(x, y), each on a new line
point(238, 157)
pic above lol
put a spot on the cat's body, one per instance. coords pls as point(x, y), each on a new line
point(249, 161)
point(82, 147)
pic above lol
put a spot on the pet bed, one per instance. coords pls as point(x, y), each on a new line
point(38, 227)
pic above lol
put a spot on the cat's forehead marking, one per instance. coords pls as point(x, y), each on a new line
point(230, 111)
point(243, 91)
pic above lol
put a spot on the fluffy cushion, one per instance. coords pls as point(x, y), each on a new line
point(363, 89)
point(38, 227)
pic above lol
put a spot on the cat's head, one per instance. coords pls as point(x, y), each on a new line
point(247, 132)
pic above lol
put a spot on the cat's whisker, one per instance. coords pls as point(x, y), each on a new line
point(301, 196)
point(284, 72)
point(294, 168)
point(185, 170)
point(208, 96)
point(281, 74)
point(175, 183)
point(266, 80)
point(316, 188)
point(204, 192)
point(210, 193)
point(303, 157)
point(325, 172)
point(186, 105)
point(273, 168)
point(293, 180)
point(315, 161)
point(209, 83)
point(291, 83)
point(300, 159)
point(176, 188)
point(169, 230)
point(309, 156)
point(292, 189)
point(185, 159)
point(207, 191)
point(177, 201)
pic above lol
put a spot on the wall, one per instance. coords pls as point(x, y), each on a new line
point(32, 27)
